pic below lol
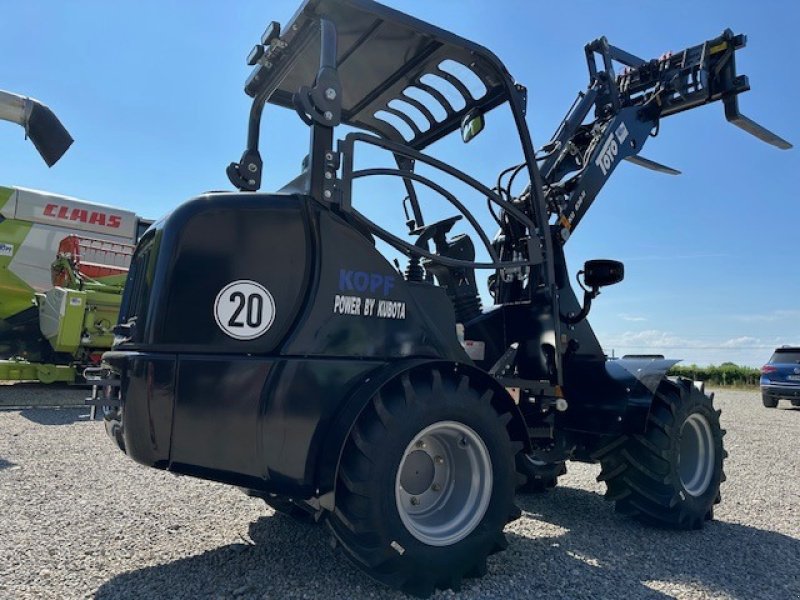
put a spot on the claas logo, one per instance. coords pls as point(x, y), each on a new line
point(66, 213)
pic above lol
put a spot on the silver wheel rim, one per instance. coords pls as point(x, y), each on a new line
point(444, 483)
point(697, 455)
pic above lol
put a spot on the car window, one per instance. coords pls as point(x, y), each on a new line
point(791, 356)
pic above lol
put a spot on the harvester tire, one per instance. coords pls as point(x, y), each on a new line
point(670, 475)
point(540, 477)
point(426, 483)
point(769, 401)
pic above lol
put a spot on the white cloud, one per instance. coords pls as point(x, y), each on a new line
point(744, 341)
point(627, 317)
point(745, 349)
point(769, 317)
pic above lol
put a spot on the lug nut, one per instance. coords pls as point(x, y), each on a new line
point(420, 443)
point(438, 460)
point(414, 500)
point(436, 487)
point(330, 94)
point(328, 115)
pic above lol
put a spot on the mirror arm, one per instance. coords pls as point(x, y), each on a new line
point(575, 318)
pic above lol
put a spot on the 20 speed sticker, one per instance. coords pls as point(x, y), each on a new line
point(244, 309)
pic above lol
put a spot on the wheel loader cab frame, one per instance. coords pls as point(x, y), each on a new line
point(284, 67)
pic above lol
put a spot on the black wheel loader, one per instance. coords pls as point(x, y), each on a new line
point(270, 342)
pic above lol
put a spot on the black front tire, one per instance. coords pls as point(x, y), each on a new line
point(367, 522)
point(644, 474)
point(769, 401)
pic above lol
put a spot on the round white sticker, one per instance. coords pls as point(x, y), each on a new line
point(244, 309)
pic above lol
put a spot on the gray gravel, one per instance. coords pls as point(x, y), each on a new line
point(23, 394)
point(79, 519)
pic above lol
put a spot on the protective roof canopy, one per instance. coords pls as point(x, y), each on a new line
point(402, 78)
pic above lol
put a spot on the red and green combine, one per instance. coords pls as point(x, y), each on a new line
point(63, 264)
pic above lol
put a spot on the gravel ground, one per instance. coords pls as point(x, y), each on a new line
point(25, 394)
point(79, 519)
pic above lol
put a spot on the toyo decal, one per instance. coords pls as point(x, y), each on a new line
point(6, 249)
point(608, 154)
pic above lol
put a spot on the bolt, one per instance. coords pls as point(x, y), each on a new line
point(327, 194)
point(328, 175)
point(462, 442)
point(439, 460)
point(328, 115)
point(251, 181)
point(420, 443)
point(252, 167)
point(328, 156)
point(414, 501)
point(330, 94)
point(436, 487)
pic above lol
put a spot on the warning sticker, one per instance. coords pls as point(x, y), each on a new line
point(244, 309)
point(6, 249)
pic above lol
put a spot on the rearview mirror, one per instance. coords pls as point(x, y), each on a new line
point(471, 125)
point(601, 272)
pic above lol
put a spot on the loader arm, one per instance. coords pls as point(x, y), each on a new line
point(628, 108)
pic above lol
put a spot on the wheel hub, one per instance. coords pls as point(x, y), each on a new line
point(697, 454)
point(417, 473)
point(444, 483)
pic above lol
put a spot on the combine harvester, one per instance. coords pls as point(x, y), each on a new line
point(63, 264)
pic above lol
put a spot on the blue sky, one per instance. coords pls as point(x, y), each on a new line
point(152, 93)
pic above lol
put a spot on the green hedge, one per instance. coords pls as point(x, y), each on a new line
point(724, 374)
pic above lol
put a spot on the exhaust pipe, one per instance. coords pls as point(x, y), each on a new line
point(41, 125)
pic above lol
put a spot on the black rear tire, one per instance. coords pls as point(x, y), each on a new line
point(540, 477)
point(368, 520)
point(644, 474)
point(769, 401)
